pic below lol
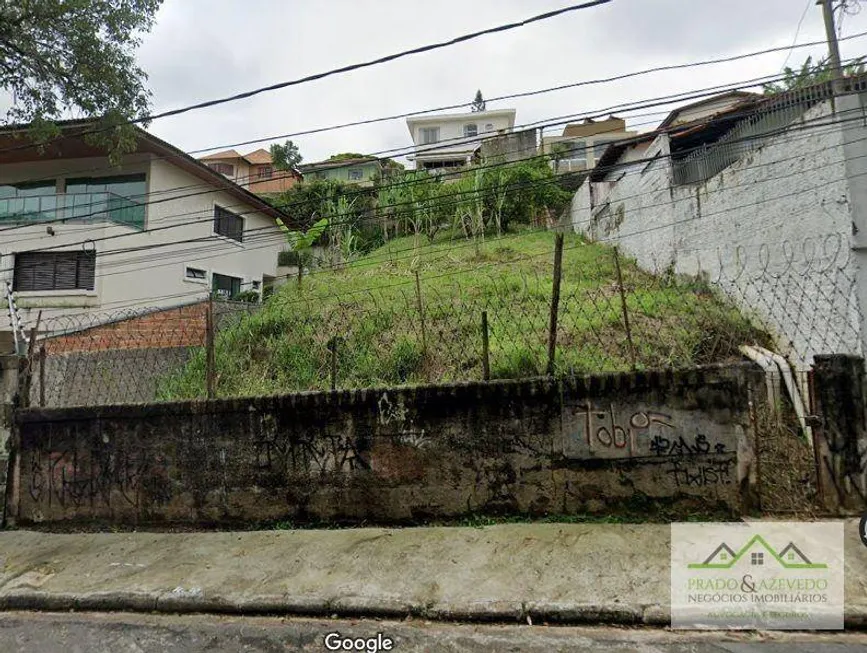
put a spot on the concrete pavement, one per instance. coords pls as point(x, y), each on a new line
point(557, 573)
point(22, 632)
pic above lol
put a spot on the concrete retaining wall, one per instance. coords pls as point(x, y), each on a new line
point(631, 441)
point(771, 230)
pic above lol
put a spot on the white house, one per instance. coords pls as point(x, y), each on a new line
point(766, 197)
point(450, 140)
point(80, 236)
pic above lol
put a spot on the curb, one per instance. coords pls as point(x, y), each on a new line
point(349, 607)
point(180, 602)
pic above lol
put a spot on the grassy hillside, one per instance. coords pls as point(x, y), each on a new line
point(371, 307)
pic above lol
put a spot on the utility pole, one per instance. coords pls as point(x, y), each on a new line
point(831, 33)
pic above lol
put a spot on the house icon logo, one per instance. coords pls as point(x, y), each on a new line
point(760, 554)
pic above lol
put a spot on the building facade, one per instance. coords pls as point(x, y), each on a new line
point(81, 236)
point(254, 171)
point(363, 171)
point(448, 141)
point(581, 145)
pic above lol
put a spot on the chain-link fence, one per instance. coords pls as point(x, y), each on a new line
point(593, 311)
point(600, 313)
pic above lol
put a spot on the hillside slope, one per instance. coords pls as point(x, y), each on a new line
point(384, 335)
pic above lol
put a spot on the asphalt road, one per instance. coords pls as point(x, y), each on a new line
point(119, 633)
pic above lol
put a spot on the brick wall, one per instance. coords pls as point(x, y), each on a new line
point(183, 326)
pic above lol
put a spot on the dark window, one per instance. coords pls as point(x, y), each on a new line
point(228, 224)
point(266, 172)
point(54, 271)
point(197, 274)
point(223, 168)
point(226, 287)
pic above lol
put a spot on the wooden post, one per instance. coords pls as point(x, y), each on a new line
point(555, 302)
point(486, 362)
point(421, 314)
point(25, 379)
point(42, 355)
point(623, 307)
point(210, 359)
point(332, 346)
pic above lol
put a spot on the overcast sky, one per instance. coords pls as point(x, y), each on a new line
point(204, 49)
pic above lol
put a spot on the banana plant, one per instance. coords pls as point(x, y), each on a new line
point(302, 242)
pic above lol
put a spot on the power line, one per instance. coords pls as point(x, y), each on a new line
point(810, 3)
point(198, 251)
point(724, 211)
point(647, 104)
point(358, 66)
point(504, 97)
point(450, 196)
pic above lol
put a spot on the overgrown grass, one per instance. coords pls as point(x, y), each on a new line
point(370, 311)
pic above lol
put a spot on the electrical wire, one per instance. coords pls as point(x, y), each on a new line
point(646, 104)
point(724, 211)
point(376, 217)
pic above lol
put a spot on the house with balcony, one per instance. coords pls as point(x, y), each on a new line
point(254, 171)
point(452, 140)
point(581, 145)
point(82, 235)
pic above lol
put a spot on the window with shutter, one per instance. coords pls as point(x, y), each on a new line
point(228, 224)
point(54, 271)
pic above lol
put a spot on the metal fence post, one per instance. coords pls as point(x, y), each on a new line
point(623, 306)
point(555, 302)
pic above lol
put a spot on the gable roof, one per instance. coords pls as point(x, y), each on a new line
point(225, 154)
point(71, 144)
point(259, 156)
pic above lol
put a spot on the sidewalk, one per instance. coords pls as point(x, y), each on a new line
point(568, 573)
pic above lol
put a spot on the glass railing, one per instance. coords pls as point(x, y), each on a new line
point(73, 207)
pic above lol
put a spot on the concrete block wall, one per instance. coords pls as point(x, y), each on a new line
point(8, 388)
point(772, 230)
point(628, 442)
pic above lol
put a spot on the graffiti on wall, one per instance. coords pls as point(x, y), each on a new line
point(697, 454)
point(106, 475)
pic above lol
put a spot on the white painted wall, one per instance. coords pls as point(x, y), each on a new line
point(151, 277)
point(772, 230)
point(452, 127)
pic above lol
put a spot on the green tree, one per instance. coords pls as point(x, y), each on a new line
point(58, 55)
point(286, 156)
point(478, 102)
point(809, 74)
point(346, 156)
